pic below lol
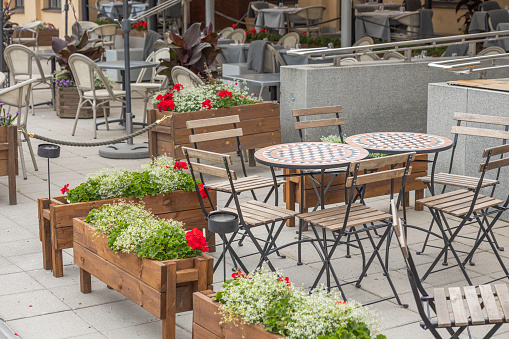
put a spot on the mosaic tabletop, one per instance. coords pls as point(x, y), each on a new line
point(399, 142)
point(310, 155)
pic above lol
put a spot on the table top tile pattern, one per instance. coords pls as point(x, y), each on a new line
point(400, 142)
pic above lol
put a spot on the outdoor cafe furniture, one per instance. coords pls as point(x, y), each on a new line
point(114, 9)
point(238, 35)
point(481, 21)
point(376, 24)
point(273, 18)
point(373, 6)
point(356, 219)
point(106, 35)
point(250, 214)
point(185, 77)
point(271, 80)
point(306, 20)
point(28, 27)
point(482, 307)
point(289, 40)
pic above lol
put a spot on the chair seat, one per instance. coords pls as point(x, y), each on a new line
point(103, 93)
point(147, 86)
point(244, 184)
point(457, 180)
point(333, 218)
point(457, 203)
point(25, 40)
point(25, 77)
point(477, 307)
point(257, 213)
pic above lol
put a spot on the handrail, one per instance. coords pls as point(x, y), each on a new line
point(468, 65)
point(336, 54)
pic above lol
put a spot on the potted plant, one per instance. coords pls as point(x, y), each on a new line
point(8, 151)
point(151, 261)
point(259, 120)
point(67, 97)
point(164, 185)
point(265, 304)
point(139, 29)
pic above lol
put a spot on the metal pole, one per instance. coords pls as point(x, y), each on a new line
point(49, 209)
point(66, 9)
point(185, 5)
point(126, 28)
point(152, 20)
point(210, 13)
point(346, 23)
point(84, 11)
point(2, 35)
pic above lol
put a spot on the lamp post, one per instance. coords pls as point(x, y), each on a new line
point(66, 9)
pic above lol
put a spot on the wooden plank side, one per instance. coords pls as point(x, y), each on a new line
point(205, 313)
point(474, 307)
point(490, 305)
point(202, 333)
point(217, 135)
point(503, 298)
point(231, 119)
point(442, 310)
point(458, 308)
point(480, 132)
point(486, 119)
point(317, 111)
point(134, 289)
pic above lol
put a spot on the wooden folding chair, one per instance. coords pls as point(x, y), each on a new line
point(354, 218)
point(470, 207)
point(482, 307)
point(251, 214)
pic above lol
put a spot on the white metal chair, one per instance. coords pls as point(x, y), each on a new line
point(156, 83)
point(20, 60)
point(19, 96)
point(29, 27)
point(238, 35)
point(310, 15)
point(289, 40)
point(83, 69)
point(412, 21)
point(493, 50)
point(106, 34)
point(183, 76)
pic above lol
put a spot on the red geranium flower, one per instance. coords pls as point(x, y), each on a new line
point(65, 189)
point(253, 31)
point(304, 32)
point(247, 32)
point(225, 93)
point(238, 275)
point(234, 25)
point(178, 87)
point(285, 280)
point(159, 97)
point(262, 30)
point(180, 165)
point(207, 104)
point(202, 190)
point(144, 25)
point(196, 240)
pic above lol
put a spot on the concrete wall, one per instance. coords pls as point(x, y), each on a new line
point(443, 101)
point(375, 97)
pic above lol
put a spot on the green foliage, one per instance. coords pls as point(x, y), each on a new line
point(279, 315)
point(352, 330)
point(106, 21)
point(168, 243)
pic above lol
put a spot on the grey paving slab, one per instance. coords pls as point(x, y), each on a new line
point(30, 304)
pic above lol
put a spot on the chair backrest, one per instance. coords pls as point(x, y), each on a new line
point(411, 19)
point(364, 41)
point(225, 32)
point(105, 31)
point(19, 58)
point(163, 53)
point(83, 69)
point(206, 133)
point(289, 40)
point(489, 6)
point(413, 5)
point(306, 112)
point(310, 13)
point(2, 78)
point(31, 25)
point(494, 164)
point(88, 24)
point(492, 50)
point(346, 61)
point(238, 35)
point(497, 16)
point(256, 6)
point(368, 57)
point(393, 55)
point(185, 77)
point(269, 60)
point(18, 96)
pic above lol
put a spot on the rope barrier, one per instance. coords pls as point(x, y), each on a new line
point(95, 144)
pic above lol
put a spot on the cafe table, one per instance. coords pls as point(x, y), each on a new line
point(375, 24)
point(373, 6)
point(309, 157)
point(274, 18)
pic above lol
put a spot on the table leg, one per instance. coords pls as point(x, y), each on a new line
point(273, 93)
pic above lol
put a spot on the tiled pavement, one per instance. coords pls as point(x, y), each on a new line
point(36, 305)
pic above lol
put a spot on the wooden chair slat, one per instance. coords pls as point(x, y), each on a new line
point(274, 208)
point(474, 308)
point(477, 207)
point(336, 215)
point(442, 310)
point(319, 123)
point(495, 164)
point(458, 308)
point(230, 119)
point(316, 111)
point(377, 163)
point(265, 210)
point(377, 176)
point(206, 155)
point(367, 220)
point(490, 305)
point(212, 170)
point(255, 214)
point(497, 150)
point(457, 180)
point(503, 299)
point(443, 198)
point(330, 210)
point(210, 136)
point(485, 119)
point(460, 204)
point(444, 195)
point(480, 132)
point(247, 219)
point(248, 214)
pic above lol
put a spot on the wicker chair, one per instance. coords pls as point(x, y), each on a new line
point(225, 32)
point(106, 34)
point(29, 27)
point(412, 21)
point(239, 35)
point(391, 55)
point(493, 50)
point(183, 76)
point(311, 15)
point(289, 40)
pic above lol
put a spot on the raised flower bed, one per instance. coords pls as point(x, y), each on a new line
point(264, 305)
point(161, 276)
point(259, 120)
point(8, 152)
point(46, 32)
point(167, 192)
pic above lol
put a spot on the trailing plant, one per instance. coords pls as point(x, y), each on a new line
point(191, 51)
point(212, 95)
point(131, 228)
point(63, 79)
point(352, 330)
point(334, 138)
point(6, 118)
point(161, 175)
point(46, 26)
point(269, 299)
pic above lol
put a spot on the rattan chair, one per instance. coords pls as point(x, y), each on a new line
point(493, 50)
point(106, 34)
point(364, 41)
point(157, 82)
point(497, 16)
point(185, 77)
point(30, 27)
point(225, 32)
point(347, 61)
point(19, 96)
point(412, 22)
point(83, 69)
point(238, 35)
point(289, 40)
point(20, 61)
point(391, 55)
point(312, 16)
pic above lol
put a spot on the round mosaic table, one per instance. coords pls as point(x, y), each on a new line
point(310, 155)
point(400, 142)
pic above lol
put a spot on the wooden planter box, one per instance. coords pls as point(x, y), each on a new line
point(56, 228)
point(292, 194)
point(43, 39)
point(9, 158)
point(206, 322)
point(163, 288)
point(259, 122)
point(67, 100)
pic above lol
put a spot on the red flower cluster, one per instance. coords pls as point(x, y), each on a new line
point(65, 189)
point(178, 87)
point(234, 25)
point(286, 280)
point(196, 240)
point(253, 31)
point(341, 302)
point(224, 94)
point(140, 26)
point(262, 30)
point(166, 102)
point(202, 190)
point(238, 275)
point(207, 104)
point(305, 32)
point(180, 165)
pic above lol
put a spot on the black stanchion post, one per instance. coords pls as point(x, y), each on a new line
point(66, 9)
point(152, 20)
point(84, 10)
